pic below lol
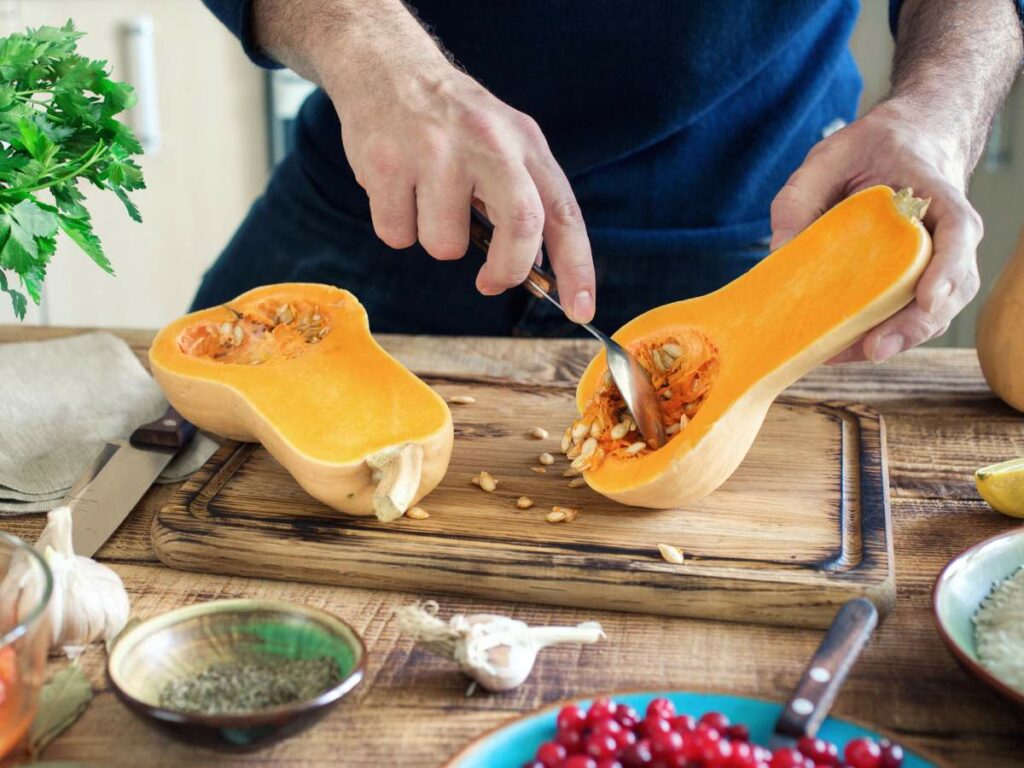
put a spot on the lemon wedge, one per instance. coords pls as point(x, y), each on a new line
point(1002, 486)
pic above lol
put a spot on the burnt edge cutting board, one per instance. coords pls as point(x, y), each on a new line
point(801, 527)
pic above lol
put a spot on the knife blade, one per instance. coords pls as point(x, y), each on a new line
point(825, 673)
point(121, 474)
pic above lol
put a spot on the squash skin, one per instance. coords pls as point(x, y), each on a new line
point(1000, 332)
point(223, 399)
point(774, 303)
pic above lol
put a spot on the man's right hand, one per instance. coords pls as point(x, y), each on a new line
point(425, 140)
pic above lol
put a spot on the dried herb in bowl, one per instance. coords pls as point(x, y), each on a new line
point(236, 687)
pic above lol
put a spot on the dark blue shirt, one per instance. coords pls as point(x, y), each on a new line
point(676, 122)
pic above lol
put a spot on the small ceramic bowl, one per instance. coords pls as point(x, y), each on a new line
point(188, 640)
point(965, 581)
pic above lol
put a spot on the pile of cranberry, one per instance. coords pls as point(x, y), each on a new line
point(611, 735)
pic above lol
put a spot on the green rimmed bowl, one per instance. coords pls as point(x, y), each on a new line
point(965, 581)
point(186, 641)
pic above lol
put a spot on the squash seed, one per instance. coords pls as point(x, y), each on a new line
point(487, 482)
point(417, 513)
point(596, 429)
point(524, 502)
point(574, 451)
point(672, 429)
point(619, 430)
point(546, 458)
point(683, 421)
point(539, 470)
point(635, 448)
point(671, 554)
point(561, 515)
point(577, 482)
point(566, 439)
point(238, 335)
point(589, 446)
point(580, 430)
point(580, 462)
point(571, 472)
point(462, 399)
point(672, 348)
point(539, 432)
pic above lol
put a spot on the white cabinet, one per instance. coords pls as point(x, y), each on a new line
point(211, 163)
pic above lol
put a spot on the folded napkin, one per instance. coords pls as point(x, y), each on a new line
point(59, 402)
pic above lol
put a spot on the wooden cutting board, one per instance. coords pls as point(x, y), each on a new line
point(801, 527)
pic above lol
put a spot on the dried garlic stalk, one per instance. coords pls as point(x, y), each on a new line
point(496, 651)
point(89, 602)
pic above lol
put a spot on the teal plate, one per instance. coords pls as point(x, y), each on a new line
point(514, 744)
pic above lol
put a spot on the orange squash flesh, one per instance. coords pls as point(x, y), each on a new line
point(294, 367)
point(854, 267)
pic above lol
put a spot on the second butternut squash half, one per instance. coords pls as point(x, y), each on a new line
point(718, 361)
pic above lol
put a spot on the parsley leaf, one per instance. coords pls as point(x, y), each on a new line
point(57, 127)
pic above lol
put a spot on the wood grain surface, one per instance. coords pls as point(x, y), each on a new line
point(942, 423)
point(801, 527)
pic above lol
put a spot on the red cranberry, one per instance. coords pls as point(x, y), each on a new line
point(819, 750)
point(863, 753)
point(666, 744)
point(602, 745)
point(627, 717)
point(787, 757)
point(571, 740)
point(662, 708)
point(743, 755)
point(609, 762)
point(683, 723)
point(738, 732)
point(625, 739)
point(571, 718)
point(601, 709)
point(606, 727)
point(653, 724)
point(717, 754)
point(534, 764)
point(716, 720)
point(580, 761)
point(551, 754)
point(892, 754)
point(637, 756)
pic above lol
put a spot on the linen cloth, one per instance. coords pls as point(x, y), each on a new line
point(60, 401)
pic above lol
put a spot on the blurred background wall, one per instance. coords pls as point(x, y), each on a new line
point(215, 122)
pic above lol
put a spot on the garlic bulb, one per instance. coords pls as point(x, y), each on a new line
point(496, 651)
point(89, 601)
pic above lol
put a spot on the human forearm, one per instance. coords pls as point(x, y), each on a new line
point(333, 42)
point(955, 61)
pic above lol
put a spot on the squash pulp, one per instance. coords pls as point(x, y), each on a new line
point(294, 367)
point(742, 345)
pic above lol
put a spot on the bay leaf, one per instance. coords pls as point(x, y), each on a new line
point(62, 700)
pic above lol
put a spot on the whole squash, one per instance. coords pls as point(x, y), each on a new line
point(718, 361)
point(1000, 332)
point(294, 367)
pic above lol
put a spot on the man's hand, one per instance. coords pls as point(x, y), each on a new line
point(884, 147)
point(425, 141)
point(955, 60)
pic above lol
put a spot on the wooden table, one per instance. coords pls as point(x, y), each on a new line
point(412, 710)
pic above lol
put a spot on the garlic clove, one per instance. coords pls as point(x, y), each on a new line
point(88, 603)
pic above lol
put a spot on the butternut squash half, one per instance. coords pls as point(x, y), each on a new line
point(718, 361)
point(294, 367)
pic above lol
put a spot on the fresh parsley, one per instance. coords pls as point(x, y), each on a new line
point(57, 127)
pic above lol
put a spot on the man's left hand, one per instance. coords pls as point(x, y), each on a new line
point(887, 146)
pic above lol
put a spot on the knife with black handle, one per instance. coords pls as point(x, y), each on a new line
point(120, 476)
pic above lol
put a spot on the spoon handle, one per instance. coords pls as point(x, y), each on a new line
point(539, 282)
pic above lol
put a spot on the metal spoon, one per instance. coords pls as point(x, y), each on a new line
point(632, 380)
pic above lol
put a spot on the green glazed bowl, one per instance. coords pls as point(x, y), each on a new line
point(965, 581)
point(186, 641)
